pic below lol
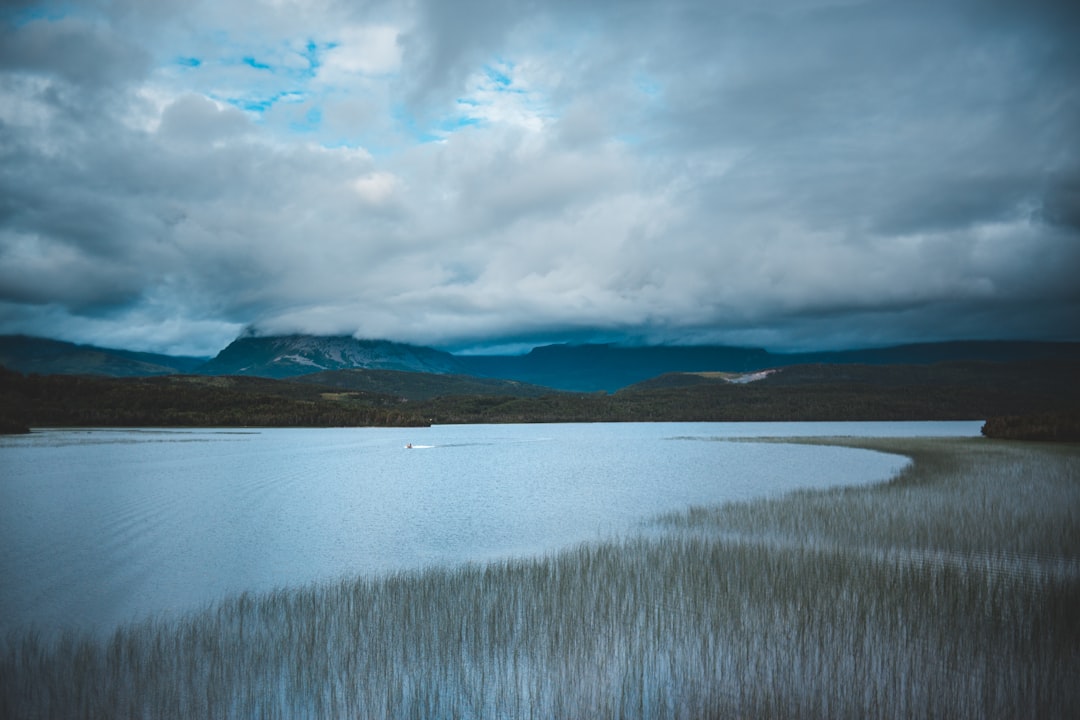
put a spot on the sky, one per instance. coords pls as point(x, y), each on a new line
point(489, 175)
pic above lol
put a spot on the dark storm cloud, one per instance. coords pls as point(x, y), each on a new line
point(795, 174)
point(85, 54)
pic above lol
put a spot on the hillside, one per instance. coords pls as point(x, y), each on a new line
point(1035, 377)
point(188, 401)
point(284, 356)
point(50, 357)
point(421, 386)
point(588, 368)
point(946, 391)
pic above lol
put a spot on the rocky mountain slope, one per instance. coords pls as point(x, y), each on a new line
point(291, 355)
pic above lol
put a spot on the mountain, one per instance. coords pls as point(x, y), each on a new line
point(579, 368)
point(588, 368)
point(996, 351)
point(1046, 378)
point(283, 356)
point(27, 354)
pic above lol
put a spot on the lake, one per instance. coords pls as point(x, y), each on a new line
point(100, 527)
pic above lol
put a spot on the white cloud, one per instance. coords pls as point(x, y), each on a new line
point(360, 50)
point(500, 94)
point(376, 188)
point(197, 119)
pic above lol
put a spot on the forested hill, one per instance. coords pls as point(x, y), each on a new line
point(28, 354)
point(947, 391)
point(189, 401)
point(417, 386)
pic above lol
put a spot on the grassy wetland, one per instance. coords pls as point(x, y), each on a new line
point(951, 591)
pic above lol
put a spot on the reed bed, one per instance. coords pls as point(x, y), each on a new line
point(951, 591)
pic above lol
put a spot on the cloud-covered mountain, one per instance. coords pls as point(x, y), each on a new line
point(291, 355)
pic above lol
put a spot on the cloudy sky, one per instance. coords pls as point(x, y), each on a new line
point(791, 174)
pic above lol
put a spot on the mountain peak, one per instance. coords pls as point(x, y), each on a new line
point(290, 355)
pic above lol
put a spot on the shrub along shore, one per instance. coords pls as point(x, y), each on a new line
point(950, 591)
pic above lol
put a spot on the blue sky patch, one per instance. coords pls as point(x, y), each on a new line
point(459, 122)
point(262, 104)
point(498, 77)
point(252, 62)
point(250, 104)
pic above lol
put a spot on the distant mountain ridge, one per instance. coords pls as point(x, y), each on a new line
point(587, 368)
point(581, 368)
point(29, 354)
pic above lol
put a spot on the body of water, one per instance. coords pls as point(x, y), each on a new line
point(101, 527)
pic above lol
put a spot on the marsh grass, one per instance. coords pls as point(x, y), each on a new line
point(951, 591)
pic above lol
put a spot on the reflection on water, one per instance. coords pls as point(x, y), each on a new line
point(98, 527)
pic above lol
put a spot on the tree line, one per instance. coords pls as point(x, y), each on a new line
point(1052, 427)
point(183, 401)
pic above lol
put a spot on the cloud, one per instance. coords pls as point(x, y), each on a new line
point(361, 50)
point(86, 54)
point(195, 118)
point(787, 173)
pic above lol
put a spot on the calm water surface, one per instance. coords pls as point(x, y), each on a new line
point(100, 527)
